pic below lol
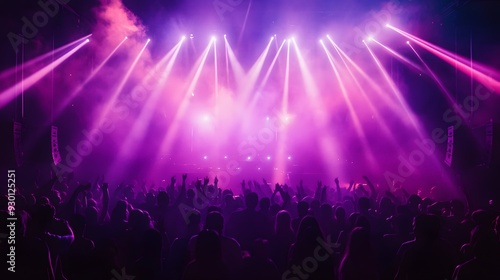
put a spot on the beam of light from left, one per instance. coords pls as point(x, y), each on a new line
point(114, 96)
point(264, 80)
point(325, 139)
point(176, 121)
point(278, 175)
point(39, 59)
point(439, 83)
point(397, 93)
point(74, 93)
point(9, 94)
point(352, 110)
point(399, 56)
point(138, 130)
point(489, 82)
point(254, 72)
point(385, 129)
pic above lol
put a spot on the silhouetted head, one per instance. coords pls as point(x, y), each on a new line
point(340, 213)
point(426, 227)
point(251, 200)
point(364, 204)
point(283, 221)
point(194, 220)
point(302, 208)
point(484, 243)
point(362, 221)
point(325, 211)
point(308, 231)
point(264, 204)
point(208, 247)
point(190, 194)
point(120, 212)
point(214, 221)
point(163, 199)
point(358, 243)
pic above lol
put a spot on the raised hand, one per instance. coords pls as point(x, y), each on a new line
point(184, 177)
point(320, 184)
point(172, 180)
point(216, 180)
point(206, 180)
point(337, 181)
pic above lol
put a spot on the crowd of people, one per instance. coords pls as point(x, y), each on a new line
point(193, 229)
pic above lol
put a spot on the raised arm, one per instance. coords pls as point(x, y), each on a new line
point(373, 191)
point(105, 202)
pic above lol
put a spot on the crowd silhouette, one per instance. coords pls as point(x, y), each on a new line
point(196, 230)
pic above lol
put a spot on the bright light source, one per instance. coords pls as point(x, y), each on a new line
point(149, 40)
point(224, 35)
point(408, 42)
point(321, 41)
point(268, 158)
point(272, 38)
point(126, 37)
point(387, 25)
point(289, 157)
point(183, 38)
point(225, 157)
point(213, 38)
point(258, 168)
point(327, 36)
point(274, 35)
point(267, 118)
point(88, 40)
point(205, 157)
point(363, 41)
point(249, 158)
point(191, 36)
point(370, 38)
point(206, 118)
point(192, 93)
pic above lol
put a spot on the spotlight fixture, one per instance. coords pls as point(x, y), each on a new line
point(408, 42)
point(191, 36)
point(370, 38)
point(149, 40)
